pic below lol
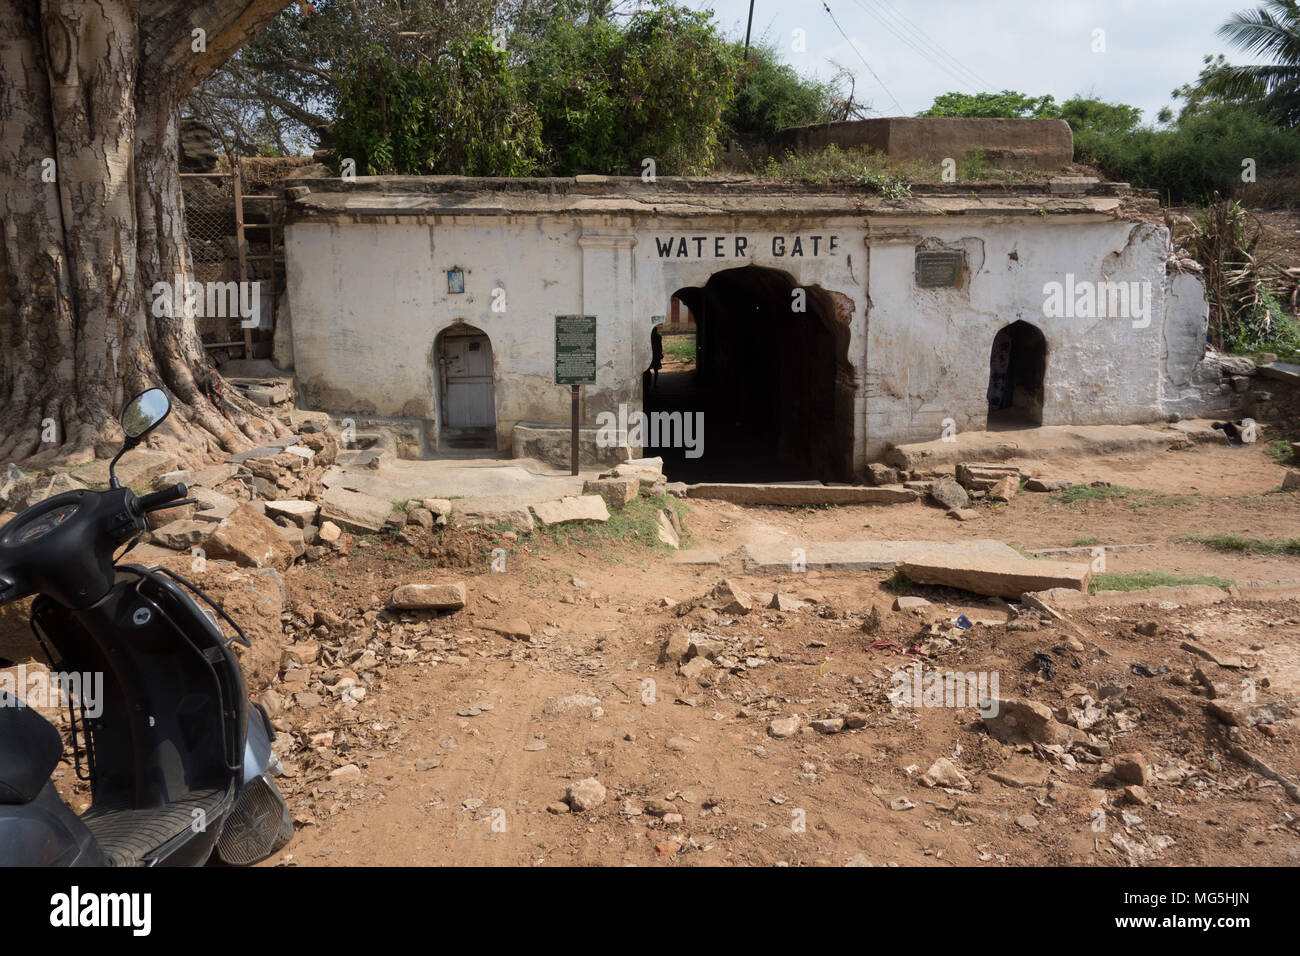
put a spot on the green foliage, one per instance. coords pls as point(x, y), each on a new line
point(1199, 155)
point(1283, 451)
point(1082, 113)
point(1189, 163)
point(611, 95)
point(854, 164)
point(1243, 282)
point(1096, 116)
point(974, 166)
point(280, 93)
point(462, 113)
point(1208, 90)
point(771, 96)
point(1008, 103)
point(1266, 328)
point(888, 186)
point(1271, 30)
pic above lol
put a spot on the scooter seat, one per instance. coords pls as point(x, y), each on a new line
point(30, 749)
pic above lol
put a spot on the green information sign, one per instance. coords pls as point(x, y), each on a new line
point(575, 350)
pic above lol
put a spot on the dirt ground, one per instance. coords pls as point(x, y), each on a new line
point(466, 736)
point(459, 758)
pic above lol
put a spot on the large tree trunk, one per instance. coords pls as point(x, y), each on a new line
point(91, 216)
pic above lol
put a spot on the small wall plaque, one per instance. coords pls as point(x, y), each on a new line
point(939, 269)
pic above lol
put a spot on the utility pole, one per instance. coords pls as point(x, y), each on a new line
point(749, 26)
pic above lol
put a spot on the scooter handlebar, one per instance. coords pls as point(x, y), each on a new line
point(161, 499)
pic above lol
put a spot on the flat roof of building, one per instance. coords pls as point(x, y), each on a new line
point(704, 197)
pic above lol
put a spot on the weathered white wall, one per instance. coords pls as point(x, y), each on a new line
point(369, 299)
point(372, 298)
point(929, 348)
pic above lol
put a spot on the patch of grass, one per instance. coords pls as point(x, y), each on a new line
point(891, 187)
point(680, 346)
point(1281, 451)
point(637, 524)
point(1237, 543)
point(974, 166)
point(1133, 498)
point(1077, 493)
point(1141, 580)
point(1086, 542)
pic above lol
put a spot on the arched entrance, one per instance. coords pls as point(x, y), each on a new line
point(466, 392)
point(771, 377)
point(1017, 367)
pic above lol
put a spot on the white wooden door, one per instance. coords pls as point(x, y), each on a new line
point(467, 375)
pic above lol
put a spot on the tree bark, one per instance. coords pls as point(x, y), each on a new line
point(92, 216)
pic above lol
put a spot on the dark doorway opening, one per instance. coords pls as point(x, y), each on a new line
point(770, 382)
point(1017, 367)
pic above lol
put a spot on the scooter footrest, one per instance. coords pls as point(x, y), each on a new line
point(130, 837)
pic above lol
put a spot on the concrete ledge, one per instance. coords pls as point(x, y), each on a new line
point(1047, 441)
point(1042, 143)
point(1190, 595)
point(551, 444)
point(858, 555)
point(1281, 371)
point(803, 494)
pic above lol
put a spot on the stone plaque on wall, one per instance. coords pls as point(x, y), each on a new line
point(939, 269)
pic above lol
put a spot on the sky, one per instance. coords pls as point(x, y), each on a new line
point(1031, 46)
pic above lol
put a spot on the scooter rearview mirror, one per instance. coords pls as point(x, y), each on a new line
point(144, 413)
point(141, 415)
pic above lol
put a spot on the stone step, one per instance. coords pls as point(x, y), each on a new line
point(797, 494)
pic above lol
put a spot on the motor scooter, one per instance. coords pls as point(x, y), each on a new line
point(178, 759)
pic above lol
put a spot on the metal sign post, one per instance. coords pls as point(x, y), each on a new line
point(573, 431)
point(575, 366)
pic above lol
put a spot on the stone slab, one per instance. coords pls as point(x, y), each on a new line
point(861, 555)
point(490, 513)
point(994, 576)
point(1281, 371)
point(573, 508)
point(355, 509)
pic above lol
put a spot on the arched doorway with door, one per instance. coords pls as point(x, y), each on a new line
point(467, 420)
point(1017, 369)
